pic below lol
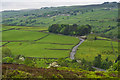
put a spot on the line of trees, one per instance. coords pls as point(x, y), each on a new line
point(67, 29)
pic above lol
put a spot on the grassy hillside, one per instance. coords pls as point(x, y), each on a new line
point(91, 48)
point(102, 17)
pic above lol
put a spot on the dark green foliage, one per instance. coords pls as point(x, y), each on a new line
point(67, 29)
point(106, 64)
point(29, 62)
point(6, 52)
point(115, 67)
point(97, 61)
point(107, 52)
point(95, 38)
point(7, 60)
point(17, 74)
point(83, 64)
point(55, 28)
point(118, 58)
point(103, 64)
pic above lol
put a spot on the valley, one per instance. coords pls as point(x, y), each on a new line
point(61, 42)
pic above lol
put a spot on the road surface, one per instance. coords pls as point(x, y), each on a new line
point(98, 69)
point(72, 54)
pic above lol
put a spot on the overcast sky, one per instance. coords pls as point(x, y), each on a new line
point(36, 4)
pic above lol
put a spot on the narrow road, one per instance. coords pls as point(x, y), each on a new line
point(98, 69)
point(72, 54)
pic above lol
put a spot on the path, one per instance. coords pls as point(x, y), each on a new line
point(72, 54)
point(98, 69)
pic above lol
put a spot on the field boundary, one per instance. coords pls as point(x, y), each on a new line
point(53, 43)
point(5, 44)
point(56, 49)
point(43, 58)
point(8, 29)
point(26, 40)
point(17, 41)
point(41, 37)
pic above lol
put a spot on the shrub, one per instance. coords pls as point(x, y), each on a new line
point(6, 52)
point(18, 74)
point(7, 60)
point(97, 61)
point(29, 62)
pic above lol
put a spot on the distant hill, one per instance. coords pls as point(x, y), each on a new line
point(103, 17)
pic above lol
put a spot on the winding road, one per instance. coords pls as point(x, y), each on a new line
point(72, 54)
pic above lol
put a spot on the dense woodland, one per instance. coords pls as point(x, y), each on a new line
point(70, 29)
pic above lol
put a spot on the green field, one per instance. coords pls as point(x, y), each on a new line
point(51, 46)
point(21, 35)
point(91, 48)
point(54, 45)
point(53, 38)
point(25, 28)
point(39, 50)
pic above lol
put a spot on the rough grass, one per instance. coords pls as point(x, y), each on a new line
point(91, 48)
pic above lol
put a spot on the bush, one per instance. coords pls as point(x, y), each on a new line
point(97, 61)
point(29, 62)
point(6, 52)
point(18, 74)
point(115, 67)
point(7, 60)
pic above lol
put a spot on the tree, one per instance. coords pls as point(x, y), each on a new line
point(7, 60)
point(118, 58)
point(104, 65)
point(55, 28)
point(67, 29)
point(115, 67)
point(95, 38)
point(97, 61)
point(29, 62)
point(92, 10)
